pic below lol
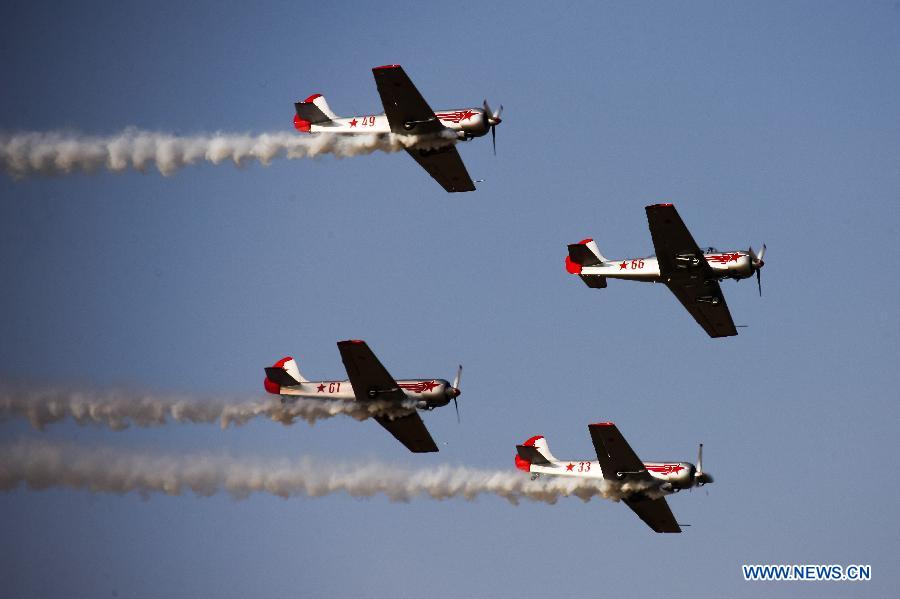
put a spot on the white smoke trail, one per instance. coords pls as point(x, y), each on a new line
point(58, 153)
point(42, 465)
point(119, 409)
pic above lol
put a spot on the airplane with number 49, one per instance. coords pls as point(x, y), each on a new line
point(407, 113)
point(617, 462)
point(692, 274)
point(370, 381)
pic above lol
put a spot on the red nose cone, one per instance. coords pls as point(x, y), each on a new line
point(300, 124)
point(272, 387)
point(573, 267)
point(523, 464)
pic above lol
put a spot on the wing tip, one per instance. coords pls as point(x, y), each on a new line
point(351, 341)
point(386, 67)
point(602, 424)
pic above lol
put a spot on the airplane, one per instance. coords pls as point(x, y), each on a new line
point(407, 113)
point(617, 462)
point(692, 274)
point(370, 381)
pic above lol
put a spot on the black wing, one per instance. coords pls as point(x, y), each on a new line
point(445, 166)
point(411, 431)
point(405, 108)
point(704, 300)
point(372, 381)
point(683, 268)
point(655, 512)
point(614, 453)
point(369, 378)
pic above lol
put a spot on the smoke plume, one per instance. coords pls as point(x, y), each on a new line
point(58, 153)
point(119, 409)
point(43, 465)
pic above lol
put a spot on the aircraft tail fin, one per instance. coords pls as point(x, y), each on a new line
point(312, 111)
point(586, 253)
point(284, 373)
point(533, 451)
point(315, 109)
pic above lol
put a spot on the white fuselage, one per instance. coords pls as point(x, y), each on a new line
point(672, 476)
point(466, 122)
point(426, 393)
point(726, 265)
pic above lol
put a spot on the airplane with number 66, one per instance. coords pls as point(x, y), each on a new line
point(407, 113)
point(690, 273)
point(370, 381)
point(617, 462)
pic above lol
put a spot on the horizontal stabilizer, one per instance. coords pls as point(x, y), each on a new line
point(594, 281)
point(310, 113)
point(314, 110)
point(531, 455)
point(279, 375)
point(581, 254)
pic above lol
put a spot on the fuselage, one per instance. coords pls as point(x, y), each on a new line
point(426, 393)
point(726, 265)
point(672, 476)
point(465, 122)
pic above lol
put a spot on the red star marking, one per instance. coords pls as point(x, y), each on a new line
point(321, 387)
point(734, 257)
point(624, 265)
point(353, 122)
point(569, 467)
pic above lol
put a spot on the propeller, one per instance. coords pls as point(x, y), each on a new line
point(701, 478)
point(493, 119)
point(756, 263)
point(454, 391)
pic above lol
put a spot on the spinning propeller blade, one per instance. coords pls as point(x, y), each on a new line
point(456, 391)
point(756, 263)
point(493, 119)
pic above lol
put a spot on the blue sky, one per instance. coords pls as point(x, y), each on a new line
point(774, 123)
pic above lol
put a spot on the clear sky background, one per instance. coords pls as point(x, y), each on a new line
point(772, 122)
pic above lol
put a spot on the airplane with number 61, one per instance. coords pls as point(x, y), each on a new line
point(617, 462)
point(407, 113)
point(370, 381)
point(690, 273)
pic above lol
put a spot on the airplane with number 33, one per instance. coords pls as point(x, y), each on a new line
point(617, 462)
point(407, 113)
point(370, 381)
point(692, 274)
